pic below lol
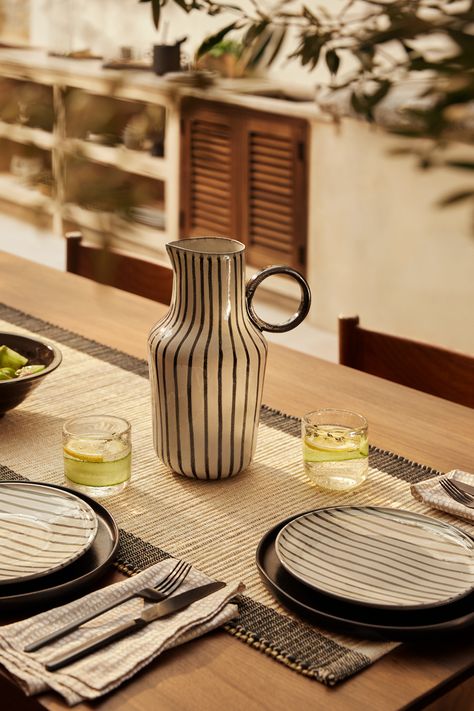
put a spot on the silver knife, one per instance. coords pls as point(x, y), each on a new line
point(467, 488)
point(150, 614)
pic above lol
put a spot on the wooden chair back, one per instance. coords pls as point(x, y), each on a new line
point(123, 271)
point(433, 370)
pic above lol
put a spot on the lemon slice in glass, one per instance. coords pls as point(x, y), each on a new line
point(114, 449)
point(334, 446)
point(85, 450)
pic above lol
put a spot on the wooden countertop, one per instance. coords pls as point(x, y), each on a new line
point(89, 74)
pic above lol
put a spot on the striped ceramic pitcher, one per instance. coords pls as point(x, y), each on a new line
point(207, 360)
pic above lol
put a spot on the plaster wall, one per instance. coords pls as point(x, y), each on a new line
point(14, 21)
point(379, 247)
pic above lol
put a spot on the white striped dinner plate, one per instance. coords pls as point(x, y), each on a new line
point(41, 530)
point(378, 556)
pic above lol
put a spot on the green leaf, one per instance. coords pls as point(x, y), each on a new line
point(277, 46)
point(332, 61)
point(365, 54)
point(357, 103)
point(365, 103)
point(212, 40)
point(260, 48)
point(306, 12)
point(380, 93)
point(406, 26)
point(361, 105)
point(254, 31)
point(311, 49)
point(462, 39)
point(183, 5)
point(417, 63)
point(156, 12)
point(400, 151)
point(409, 50)
point(463, 164)
point(455, 198)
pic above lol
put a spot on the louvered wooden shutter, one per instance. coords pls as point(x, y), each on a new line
point(243, 175)
point(207, 174)
point(275, 206)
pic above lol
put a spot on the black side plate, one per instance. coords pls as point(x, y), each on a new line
point(370, 623)
point(69, 580)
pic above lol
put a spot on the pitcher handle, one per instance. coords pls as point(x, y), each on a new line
point(303, 307)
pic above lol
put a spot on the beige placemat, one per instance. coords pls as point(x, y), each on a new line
point(214, 525)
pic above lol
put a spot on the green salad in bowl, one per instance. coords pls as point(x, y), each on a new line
point(14, 365)
point(24, 362)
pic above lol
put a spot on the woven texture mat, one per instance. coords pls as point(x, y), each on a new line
point(216, 526)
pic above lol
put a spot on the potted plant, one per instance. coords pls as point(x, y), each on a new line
point(225, 58)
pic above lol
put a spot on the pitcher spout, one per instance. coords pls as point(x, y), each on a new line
point(209, 274)
point(207, 246)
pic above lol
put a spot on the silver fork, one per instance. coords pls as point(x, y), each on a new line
point(456, 494)
point(161, 591)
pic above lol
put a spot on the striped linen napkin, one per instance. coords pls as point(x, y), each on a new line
point(106, 669)
point(431, 493)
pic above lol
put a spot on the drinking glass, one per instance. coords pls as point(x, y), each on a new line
point(97, 454)
point(335, 448)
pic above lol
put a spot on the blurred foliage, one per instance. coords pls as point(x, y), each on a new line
point(368, 47)
point(385, 38)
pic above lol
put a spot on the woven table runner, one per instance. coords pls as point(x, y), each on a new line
point(217, 525)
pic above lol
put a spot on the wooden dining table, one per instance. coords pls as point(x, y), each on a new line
point(216, 671)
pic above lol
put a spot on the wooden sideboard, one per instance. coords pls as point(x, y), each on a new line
point(224, 167)
point(244, 173)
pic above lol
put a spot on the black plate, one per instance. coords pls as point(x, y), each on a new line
point(369, 623)
point(72, 578)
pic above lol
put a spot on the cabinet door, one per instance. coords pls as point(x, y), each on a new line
point(274, 206)
point(243, 175)
point(209, 204)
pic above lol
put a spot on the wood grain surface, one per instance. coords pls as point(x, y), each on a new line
point(423, 366)
point(217, 672)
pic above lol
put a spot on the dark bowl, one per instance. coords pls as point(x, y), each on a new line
point(38, 352)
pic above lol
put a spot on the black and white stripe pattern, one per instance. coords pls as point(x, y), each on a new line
point(377, 556)
point(41, 530)
point(207, 363)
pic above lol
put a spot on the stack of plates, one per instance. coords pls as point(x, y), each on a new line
point(377, 572)
point(52, 542)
